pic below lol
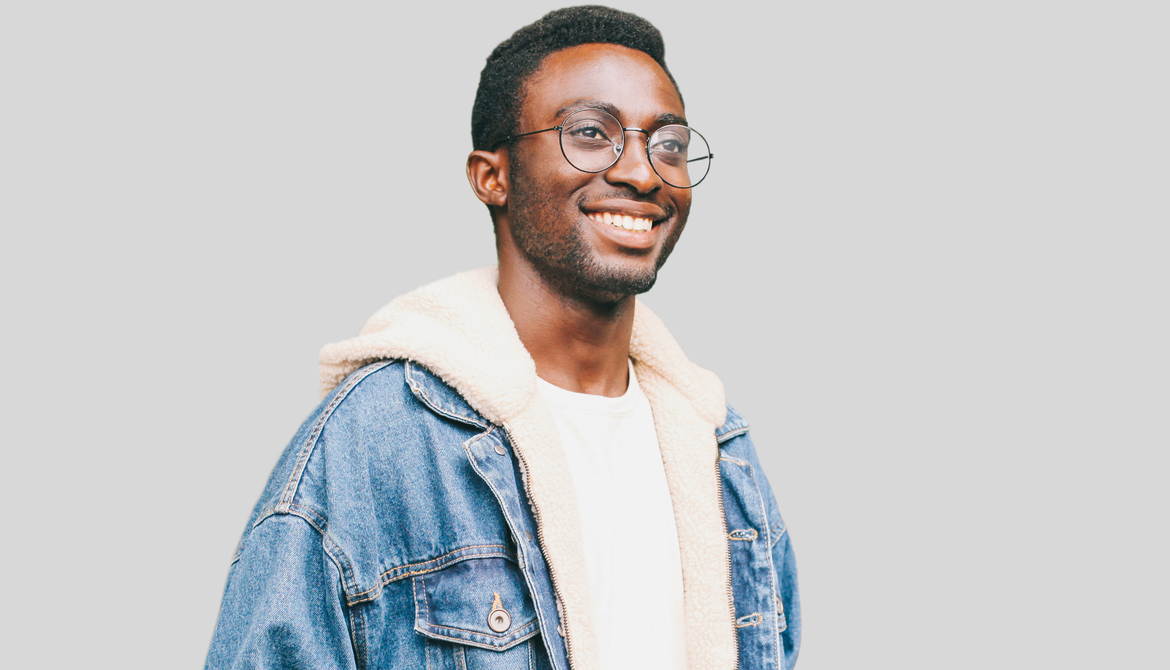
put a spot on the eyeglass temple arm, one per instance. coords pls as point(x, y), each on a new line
point(513, 137)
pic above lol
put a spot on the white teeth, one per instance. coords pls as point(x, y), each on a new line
point(622, 221)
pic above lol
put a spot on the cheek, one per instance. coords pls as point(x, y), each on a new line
point(683, 201)
point(547, 189)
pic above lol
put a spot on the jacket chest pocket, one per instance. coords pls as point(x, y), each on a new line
point(478, 614)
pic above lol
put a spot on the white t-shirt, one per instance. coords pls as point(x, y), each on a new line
point(631, 545)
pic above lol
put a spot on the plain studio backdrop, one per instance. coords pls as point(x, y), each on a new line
point(929, 264)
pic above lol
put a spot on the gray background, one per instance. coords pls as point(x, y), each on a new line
point(929, 266)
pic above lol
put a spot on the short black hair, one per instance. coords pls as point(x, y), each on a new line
point(496, 112)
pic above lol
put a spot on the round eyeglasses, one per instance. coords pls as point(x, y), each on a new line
point(592, 141)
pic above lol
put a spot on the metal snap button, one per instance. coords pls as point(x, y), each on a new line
point(500, 449)
point(499, 620)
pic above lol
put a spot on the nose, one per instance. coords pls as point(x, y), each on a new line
point(633, 165)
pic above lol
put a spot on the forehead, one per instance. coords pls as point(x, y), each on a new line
point(622, 77)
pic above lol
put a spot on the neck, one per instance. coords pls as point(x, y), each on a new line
point(578, 345)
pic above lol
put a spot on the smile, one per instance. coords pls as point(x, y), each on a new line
point(622, 221)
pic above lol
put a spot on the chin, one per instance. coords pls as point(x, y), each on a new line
point(607, 285)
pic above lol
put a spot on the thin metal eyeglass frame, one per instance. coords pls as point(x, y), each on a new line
point(648, 134)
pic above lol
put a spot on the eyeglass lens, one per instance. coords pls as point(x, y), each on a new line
point(592, 141)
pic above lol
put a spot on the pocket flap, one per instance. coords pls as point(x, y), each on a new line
point(463, 602)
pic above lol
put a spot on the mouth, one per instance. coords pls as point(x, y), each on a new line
point(635, 223)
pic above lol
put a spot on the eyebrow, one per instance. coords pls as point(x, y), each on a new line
point(578, 105)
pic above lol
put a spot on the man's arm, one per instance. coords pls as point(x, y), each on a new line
point(783, 557)
point(785, 561)
point(282, 607)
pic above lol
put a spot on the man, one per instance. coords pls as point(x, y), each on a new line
point(518, 467)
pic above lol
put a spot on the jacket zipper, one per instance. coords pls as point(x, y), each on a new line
point(564, 621)
point(727, 559)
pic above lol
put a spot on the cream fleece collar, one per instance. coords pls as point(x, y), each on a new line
point(459, 329)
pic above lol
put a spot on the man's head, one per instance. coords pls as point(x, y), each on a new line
point(555, 221)
point(496, 112)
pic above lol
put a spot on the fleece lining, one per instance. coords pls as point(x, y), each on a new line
point(459, 329)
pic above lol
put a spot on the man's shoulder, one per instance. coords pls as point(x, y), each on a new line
point(387, 420)
point(379, 470)
point(734, 426)
point(393, 391)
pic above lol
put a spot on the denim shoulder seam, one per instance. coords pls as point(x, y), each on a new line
point(310, 443)
point(315, 519)
point(317, 522)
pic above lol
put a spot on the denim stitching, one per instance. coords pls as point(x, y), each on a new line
point(328, 546)
point(426, 399)
point(376, 589)
point(735, 460)
point(337, 555)
point(720, 439)
point(544, 624)
point(319, 521)
point(778, 532)
point(519, 632)
point(430, 625)
point(357, 636)
point(303, 510)
point(460, 658)
point(426, 599)
point(388, 578)
point(311, 440)
point(772, 571)
point(327, 543)
point(414, 588)
point(438, 563)
point(476, 643)
point(411, 565)
point(263, 515)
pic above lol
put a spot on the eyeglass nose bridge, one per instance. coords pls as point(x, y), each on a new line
point(618, 149)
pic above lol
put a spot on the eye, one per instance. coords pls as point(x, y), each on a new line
point(587, 130)
point(671, 146)
point(671, 140)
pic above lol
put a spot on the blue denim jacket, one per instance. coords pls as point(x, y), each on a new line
point(396, 523)
point(425, 516)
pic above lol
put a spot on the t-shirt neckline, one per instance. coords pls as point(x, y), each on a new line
point(586, 402)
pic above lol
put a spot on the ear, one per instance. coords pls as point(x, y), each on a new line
point(487, 172)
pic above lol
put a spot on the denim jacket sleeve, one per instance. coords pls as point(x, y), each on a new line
point(737, 448)
point(283, 604)
point(789, 606)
